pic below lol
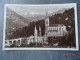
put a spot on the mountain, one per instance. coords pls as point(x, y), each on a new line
point(35, 17)
point(59, 11)
point(54, 19)
point(14, 20)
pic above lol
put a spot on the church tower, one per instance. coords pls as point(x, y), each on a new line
point(46, 25)
point(47, 19)
point(39, 31)
point(35, 34)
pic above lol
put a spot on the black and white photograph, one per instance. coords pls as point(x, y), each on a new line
point(40, 27)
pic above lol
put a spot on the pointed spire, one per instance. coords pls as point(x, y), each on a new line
point(39, 28)
point(46, 13)
point(35, 28)
point(39, 31)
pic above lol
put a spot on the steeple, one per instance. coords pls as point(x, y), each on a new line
point(35, 28)
point(39, 28)
point(47, 19)
point(39, 31)
point(46, 25)
point(35, 34)
point(46, 14)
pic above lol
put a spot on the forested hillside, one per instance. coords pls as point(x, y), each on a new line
point(66, 18)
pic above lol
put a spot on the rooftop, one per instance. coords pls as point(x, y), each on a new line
point(55, 25)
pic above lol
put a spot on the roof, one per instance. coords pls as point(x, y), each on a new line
point(55, 25)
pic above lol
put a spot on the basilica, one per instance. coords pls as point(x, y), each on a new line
point(54, 30)
point(37, 38)
point(51, 30)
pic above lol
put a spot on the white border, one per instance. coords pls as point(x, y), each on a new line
point(76, 29)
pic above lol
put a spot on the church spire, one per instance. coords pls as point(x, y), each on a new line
point(35, 34)
point(35, 28)
point(39, 28)
point(46, 25)
point(46, 14)
point(39, 31)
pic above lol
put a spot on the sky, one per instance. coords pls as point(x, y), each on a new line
point(23, 9)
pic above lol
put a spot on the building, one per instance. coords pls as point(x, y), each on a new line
point(30, 39)
point(54, 30)
point(36, 38)
point(51, 30)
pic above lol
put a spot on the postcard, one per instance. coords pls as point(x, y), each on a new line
point(40, 27)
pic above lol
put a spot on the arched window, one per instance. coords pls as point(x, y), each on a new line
point(59, 28)
point(10, 42)
point(14, 42)
point(18, 42)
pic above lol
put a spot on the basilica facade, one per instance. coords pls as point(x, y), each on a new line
point(54, 30)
